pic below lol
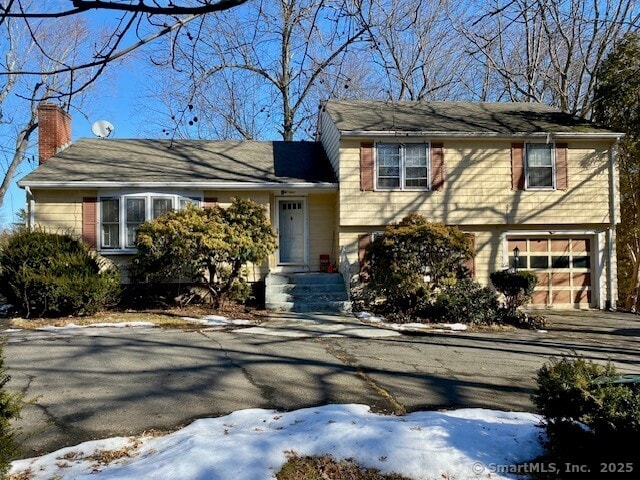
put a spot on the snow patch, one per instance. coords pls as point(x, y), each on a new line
point(412, 326)
point(73, 326)
point(252, 444)
point(217, 321)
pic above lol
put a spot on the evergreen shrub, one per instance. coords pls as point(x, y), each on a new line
point(50, 274)
point(517, 288)
point(464, 301)
point(591, 416)
point(11, 405)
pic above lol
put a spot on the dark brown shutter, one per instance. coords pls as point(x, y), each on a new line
point(517, 166)
point(363, 241)
point(210, 202)
point(366, 167)
point(562, 173)
point(471, 263)
point(437, 166)
point(89, 219)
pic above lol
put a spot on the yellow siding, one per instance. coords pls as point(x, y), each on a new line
point(491, 254)
point(60, 210)
point(478, 190)
point(322, 213)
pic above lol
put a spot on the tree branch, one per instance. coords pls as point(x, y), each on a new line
point(81, 6)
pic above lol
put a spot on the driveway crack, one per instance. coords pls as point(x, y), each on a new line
point(266, 391)
point(389, 404)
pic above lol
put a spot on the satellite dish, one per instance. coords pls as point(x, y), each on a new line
point(102, 129)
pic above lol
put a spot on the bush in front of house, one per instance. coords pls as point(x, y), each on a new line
point(408, 264)
point(517, 288)
point(50, 274)
point(207, 247)
point(464, 301)
point(590, 418)
point(11, 404)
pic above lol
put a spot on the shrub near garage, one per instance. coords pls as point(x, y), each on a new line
point(517, 289)
point(410, 252)
point(416, 271)
point(49, 274)
point(466, 301)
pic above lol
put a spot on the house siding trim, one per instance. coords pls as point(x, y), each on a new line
point(183, 185)
point(361, 134)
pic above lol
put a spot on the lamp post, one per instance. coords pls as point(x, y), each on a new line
point(516, 259)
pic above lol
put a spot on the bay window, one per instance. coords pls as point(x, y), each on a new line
point(121, 215)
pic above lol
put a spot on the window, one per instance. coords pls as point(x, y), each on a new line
point(110, 214)
point(135, 216)
point(402, 166)
point(539, 165)
point(120, 216)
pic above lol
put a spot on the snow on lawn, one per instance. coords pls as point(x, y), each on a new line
point(253, 445)
point(410, 327)
point(72, 326)
point(218, 321)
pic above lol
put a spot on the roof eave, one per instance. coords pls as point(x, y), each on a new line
point(69, 185)
point(492, 135)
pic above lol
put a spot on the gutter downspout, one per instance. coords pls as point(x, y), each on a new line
point(31, 214)
point(613, 220)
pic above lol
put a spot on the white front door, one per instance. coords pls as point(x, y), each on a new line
point(291, 226)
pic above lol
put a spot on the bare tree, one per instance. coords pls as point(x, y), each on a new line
point(44, 58)
point(41, 45)
point(547, 50)
point(136, 24)
point(16, 9)
point(282, 51)
point(413, 52)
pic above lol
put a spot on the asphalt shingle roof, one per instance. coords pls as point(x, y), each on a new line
point(496, 118)
point(185, 161)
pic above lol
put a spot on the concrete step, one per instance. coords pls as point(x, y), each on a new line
point(316, 296)
point(296, 289)
point(309, 306)
point(306, 292)
point(303, 278)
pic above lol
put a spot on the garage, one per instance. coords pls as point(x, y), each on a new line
point(563, 266)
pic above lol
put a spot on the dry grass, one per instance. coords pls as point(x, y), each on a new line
point(326, 467)
point(26, 475)
point(105, 457)
point(170, 318)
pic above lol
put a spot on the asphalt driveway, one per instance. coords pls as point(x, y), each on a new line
point(94, 383)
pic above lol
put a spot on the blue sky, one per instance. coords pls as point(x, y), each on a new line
point(114, 101)
point(115, 98)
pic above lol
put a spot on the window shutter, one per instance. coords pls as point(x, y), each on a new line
point(562, 172)
point(366, 167)
point(363, 241)
point(210, 202)
point(89, 220)
point(437, 166)
point(517, 166)
point(471, 263)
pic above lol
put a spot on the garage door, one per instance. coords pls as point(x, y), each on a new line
point(563, 268)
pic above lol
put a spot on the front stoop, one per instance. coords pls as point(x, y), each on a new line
point(306, 292)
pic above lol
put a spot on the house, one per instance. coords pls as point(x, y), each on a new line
point(510, 174)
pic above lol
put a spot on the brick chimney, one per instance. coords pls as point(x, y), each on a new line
point(54, 130)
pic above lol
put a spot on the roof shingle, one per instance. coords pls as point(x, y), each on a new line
point(185, 161)
point(479, 118)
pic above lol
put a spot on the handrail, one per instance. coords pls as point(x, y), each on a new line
point(345, 271)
